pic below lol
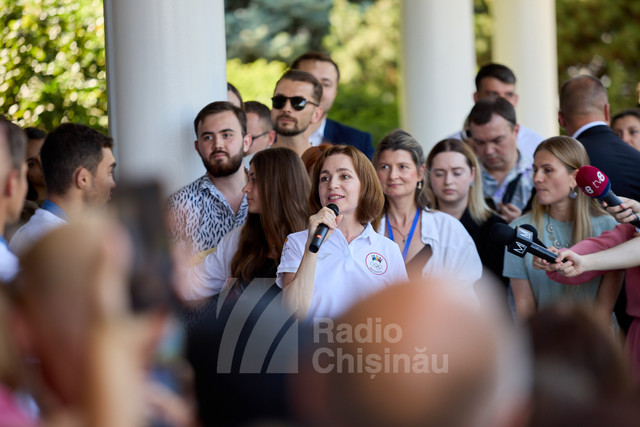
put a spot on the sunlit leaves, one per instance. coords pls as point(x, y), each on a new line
point(52, 62)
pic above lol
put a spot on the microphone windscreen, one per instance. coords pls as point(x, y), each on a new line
point(532, 229)
point(592, 181)
point(334, 208)
point(502, 234)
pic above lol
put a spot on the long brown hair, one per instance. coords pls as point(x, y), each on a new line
point(283, 187)
point(573, 156)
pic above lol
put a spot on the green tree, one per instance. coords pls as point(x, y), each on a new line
point(274, 29)
point(52, 62)
point(603, 39)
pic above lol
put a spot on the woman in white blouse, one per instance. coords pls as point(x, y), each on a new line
point(432, 242)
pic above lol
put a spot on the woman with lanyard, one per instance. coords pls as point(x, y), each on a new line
point(432, 242)
point(354, 261)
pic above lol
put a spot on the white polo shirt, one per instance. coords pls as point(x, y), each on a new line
point(453, 252)
point(209, 277)
point(346, 272)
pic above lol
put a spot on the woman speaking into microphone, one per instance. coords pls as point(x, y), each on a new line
point(353, 261)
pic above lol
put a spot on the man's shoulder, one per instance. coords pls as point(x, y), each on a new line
point(339, 133)
point(186, 193)
point(41, 222)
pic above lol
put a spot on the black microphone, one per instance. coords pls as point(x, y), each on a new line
point(520, 241)
point(321, 232)
point(532, 229)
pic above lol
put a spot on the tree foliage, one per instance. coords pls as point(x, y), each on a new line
point(52, 62)
point(274, 29)
point(603, 39)
point(52, 59)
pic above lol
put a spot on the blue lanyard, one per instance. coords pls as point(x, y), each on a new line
point(48, 205)
point(409, 236)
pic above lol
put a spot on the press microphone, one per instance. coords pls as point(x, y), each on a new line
point(520, 242)
point(594, 183)
point(321, 232)
point(533, 230)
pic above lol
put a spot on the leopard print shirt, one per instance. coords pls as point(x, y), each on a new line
point(199, 216)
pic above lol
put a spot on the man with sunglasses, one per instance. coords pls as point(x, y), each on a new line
point(322, 67)
point(260, 128)
point(295, 106)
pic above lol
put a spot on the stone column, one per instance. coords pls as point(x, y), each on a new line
point(524, 39)
point(438, 67)
point(165, 61)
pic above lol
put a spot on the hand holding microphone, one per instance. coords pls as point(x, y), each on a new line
point(520, 241)
point(321, 230)
point(594, 183)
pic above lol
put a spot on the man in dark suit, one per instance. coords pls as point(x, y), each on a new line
point(584, 114)
point(323, 68)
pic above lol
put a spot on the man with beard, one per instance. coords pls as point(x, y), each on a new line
point(77, 164)
point(296, 105)
point(208, 208)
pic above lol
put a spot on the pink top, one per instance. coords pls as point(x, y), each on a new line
point(608, 239)
point(11, 415)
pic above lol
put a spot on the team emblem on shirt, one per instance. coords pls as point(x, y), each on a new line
point(376, 263)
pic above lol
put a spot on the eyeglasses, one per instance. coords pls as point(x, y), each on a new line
point(259, 136)
point(297, 102)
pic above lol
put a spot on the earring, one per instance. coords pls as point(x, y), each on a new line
point(419, 185)
point(573, 194)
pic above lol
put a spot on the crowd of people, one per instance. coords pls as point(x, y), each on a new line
point(308, 278)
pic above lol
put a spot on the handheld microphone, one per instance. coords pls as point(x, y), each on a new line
point(321, 232)
point(594, 183)
point(533, 230)
point(520, 241)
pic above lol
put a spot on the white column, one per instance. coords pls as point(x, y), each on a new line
point(165, 61)
point(524, 39)
point(438, 67)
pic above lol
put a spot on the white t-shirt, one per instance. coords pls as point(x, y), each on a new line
point(453, 255)
point(346, 272)
point(9, 264)
point(38, 225)
point(209, 277)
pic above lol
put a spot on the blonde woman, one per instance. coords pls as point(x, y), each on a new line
point(454, 179)
point(563, 216)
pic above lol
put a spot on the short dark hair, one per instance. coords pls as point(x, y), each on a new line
point(633, 112)
point(581, 95)
point(371, 198)
point(236, 92)
point(16, 142)
point(314, 55)
point(484, 109)
point(497, 71)
point(67, 148)
point(217, 108)
point(258, 108)
point(303, 76)
point(35, 133)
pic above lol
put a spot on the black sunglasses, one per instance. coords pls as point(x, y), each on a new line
point(297, 102)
